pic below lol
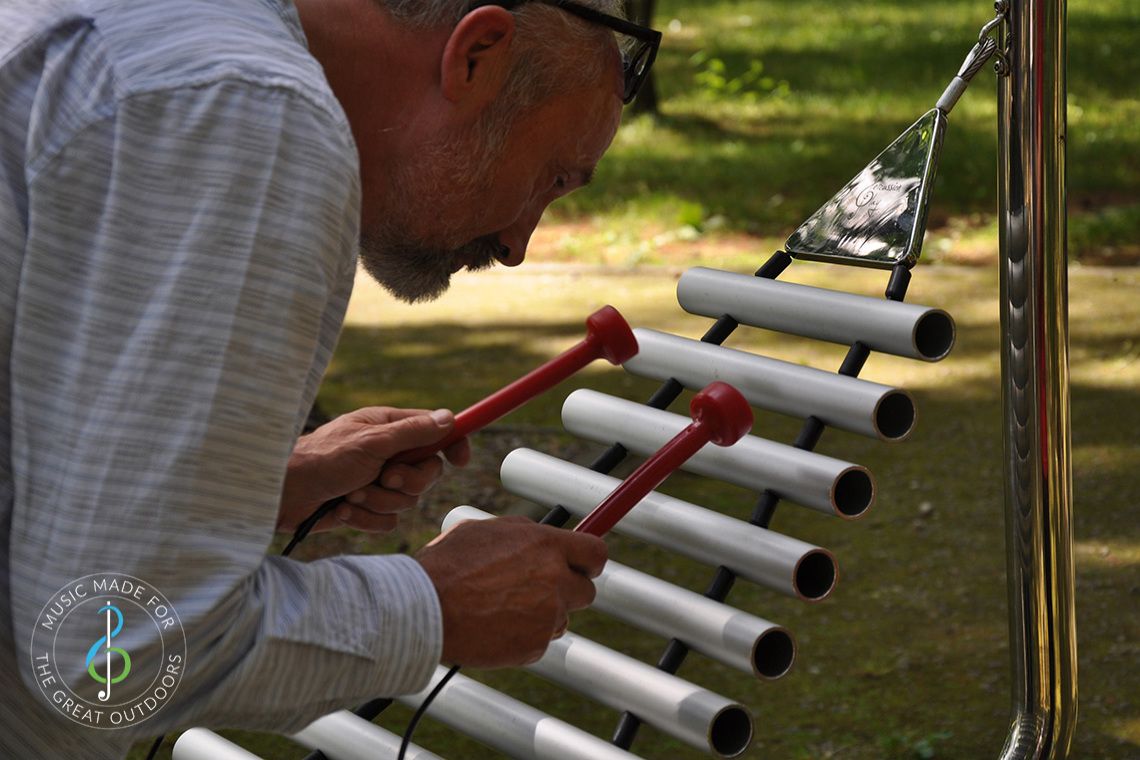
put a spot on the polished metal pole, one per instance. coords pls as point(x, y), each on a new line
point(1035, 382)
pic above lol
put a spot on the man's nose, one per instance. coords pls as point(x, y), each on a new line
point(517, 237)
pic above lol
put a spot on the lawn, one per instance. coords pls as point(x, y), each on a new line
point(768, 108)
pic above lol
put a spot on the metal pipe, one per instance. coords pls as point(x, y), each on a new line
point(843, 402)
point(1035, 382)
point(918, 332)
point(344, 736)
point(674, 706)
point(508, 725)
point(813, 480)
point(204, 744)
point(770, 559)
point(727, 635)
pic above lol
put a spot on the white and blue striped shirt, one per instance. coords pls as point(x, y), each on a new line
point(179, 208)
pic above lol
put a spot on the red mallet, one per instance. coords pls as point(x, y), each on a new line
point(720, 415)
point(607, 337)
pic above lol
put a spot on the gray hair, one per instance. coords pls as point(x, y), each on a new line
point(544, 35)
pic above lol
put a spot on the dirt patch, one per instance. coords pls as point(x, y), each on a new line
point(962, 241)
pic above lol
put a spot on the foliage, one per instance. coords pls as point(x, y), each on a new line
point(715, 81)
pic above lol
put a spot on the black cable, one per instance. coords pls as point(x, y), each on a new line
point(411, 729)
point(154, 747)
point(309, 523)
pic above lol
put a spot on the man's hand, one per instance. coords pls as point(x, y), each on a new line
point(507, 586)
point(348, 457)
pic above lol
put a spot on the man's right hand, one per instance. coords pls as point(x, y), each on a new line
point(507, 586)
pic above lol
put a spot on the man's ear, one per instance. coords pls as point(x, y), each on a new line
point(476, 58)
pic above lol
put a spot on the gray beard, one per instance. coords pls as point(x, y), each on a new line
point(415, 273)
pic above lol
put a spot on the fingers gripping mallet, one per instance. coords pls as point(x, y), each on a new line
point(608, 336)
point(720, 415)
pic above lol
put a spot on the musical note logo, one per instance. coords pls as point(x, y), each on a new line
point(105, 643)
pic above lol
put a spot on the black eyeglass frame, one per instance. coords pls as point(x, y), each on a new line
point(634, 71)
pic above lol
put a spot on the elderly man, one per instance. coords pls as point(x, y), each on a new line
point(184, 187)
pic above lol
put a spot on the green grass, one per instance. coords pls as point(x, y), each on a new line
point(908, 658)
point(741, 152)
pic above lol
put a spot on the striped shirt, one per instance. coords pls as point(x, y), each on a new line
point(179, 210)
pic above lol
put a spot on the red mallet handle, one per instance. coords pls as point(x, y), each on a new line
point(607, 336)
point(720, 415)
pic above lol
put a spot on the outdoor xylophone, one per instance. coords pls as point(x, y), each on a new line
point(690, 621)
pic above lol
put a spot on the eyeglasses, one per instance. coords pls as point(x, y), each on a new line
point(636, 60)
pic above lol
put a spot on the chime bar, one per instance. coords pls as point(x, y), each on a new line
point(676, 707)
point(203, 744)
point(812, 480)
point(344, 736)
point(843, 402)
point(726, 634)
point(508, 725)
point(761, 556)
point(893, 327)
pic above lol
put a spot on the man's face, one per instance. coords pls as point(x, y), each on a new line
point(470, 198)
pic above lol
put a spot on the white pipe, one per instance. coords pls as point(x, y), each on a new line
point(812, 480)
point(344, 736)
point(508, 725)
point(779, 562)
point(204, 744)
point(918, 332)
point(728, 635)
point(674, 706)
point(837, 400)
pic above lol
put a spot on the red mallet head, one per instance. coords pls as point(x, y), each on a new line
point(608, 329)
point(724, 411)
point(720, 415)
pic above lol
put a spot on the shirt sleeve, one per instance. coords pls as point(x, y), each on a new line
point(188, 263)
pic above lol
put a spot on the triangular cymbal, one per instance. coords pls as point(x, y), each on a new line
point(879, 218)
